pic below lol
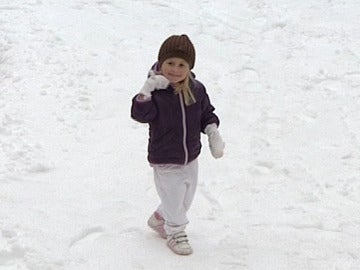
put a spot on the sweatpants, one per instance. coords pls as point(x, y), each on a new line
point(176, 186)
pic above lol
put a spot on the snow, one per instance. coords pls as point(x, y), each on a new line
point(75, 186)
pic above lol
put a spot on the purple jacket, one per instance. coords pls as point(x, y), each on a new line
point(174, 128)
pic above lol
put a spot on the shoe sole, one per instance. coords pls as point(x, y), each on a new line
point(182, 253)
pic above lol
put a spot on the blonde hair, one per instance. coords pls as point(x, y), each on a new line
point(185, 89)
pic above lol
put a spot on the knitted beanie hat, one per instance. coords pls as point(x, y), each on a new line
point(177, 46)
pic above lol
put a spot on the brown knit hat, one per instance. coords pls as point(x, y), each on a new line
point(177, 46)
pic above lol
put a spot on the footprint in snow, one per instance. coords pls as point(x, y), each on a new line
point(86, 235)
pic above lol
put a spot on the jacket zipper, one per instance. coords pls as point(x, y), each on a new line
point(184, 128)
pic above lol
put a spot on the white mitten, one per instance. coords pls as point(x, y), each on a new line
point(154, 82)
point(216, 143)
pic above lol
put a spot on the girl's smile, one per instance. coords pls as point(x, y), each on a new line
point(175, 69)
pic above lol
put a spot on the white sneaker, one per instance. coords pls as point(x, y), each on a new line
point(156, 222)
point(179, 243)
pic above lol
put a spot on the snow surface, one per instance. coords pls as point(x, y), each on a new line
point(75, 186)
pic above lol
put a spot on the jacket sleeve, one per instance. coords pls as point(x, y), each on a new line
point(143, 111)
point(208, 116)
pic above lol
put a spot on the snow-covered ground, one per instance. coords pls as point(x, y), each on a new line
point(75, 186)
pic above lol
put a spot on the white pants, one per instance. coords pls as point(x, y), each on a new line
point(176, 186)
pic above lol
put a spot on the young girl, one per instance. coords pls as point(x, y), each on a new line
point(177, 109)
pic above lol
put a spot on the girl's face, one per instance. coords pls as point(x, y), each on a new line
point(175, 69)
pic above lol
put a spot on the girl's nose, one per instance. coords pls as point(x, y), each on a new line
point(175, 68)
